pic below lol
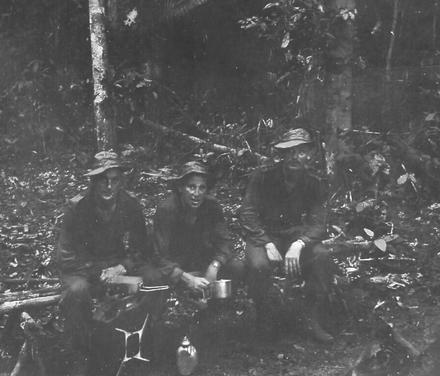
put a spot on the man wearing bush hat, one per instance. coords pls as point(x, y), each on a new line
point(283, 217)
point(103, 235)
point(190, 232)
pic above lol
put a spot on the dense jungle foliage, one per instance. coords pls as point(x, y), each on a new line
point(236, 73)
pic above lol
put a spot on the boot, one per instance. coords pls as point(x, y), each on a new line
point(318, 332)
point(313, 324)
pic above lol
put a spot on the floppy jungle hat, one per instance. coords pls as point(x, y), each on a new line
point(192, 167)
point(293, 137)
point(103, 161)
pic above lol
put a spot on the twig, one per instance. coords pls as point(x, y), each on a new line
point(366, 132)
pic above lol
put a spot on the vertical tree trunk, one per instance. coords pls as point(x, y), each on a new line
point(434, 25)
point(105, 129)
point(339, 77)
point(392, 41)
point(388, 102)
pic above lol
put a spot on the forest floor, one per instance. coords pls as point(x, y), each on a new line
point(34, 189)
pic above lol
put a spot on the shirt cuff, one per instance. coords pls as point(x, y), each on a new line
point(176, 274)
point(305, 240)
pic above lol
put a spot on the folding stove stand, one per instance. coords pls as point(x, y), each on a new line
point(139, 333)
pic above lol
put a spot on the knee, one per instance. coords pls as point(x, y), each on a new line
point(236, 268)
point(77, 286)
point(320, 253)
point(257, 259)
point(151, 275)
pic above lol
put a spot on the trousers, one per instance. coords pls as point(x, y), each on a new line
point(317, 271)
point(77, 305)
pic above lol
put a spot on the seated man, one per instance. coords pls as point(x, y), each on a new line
point(284, 217)
point(190, 232)
point(103, 235)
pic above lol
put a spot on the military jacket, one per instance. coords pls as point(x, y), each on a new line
point(87, 244)
point(189, 244)
point(271, 211)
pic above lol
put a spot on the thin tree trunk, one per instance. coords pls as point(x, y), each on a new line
point(434, 26)
point(105, 129)
point(388, 102)
point(339, 79)
point(392, 40)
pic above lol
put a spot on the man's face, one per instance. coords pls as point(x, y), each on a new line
point(108, 184)
point(298, 158)
point(194, 191)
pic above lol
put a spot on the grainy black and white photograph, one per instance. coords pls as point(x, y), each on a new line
point(219, 187)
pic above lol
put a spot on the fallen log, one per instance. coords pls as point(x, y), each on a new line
point(29, 303)
point(24, 295)
point(19, 281)
point(211, 145)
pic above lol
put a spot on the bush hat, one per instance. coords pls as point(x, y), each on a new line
point(192, 167)
point(293, 137)
point(103, 161)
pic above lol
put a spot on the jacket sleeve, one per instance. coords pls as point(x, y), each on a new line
point(138, 245)
point(162, 225)
point(68, 249)
point(250, 219)
point(221, 237)
point(315, 221)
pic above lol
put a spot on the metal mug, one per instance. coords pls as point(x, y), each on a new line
point(221, 289)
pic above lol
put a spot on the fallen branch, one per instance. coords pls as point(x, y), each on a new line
point(24, 295)
point(212, 146)
point(19, 281)
point(29, 303)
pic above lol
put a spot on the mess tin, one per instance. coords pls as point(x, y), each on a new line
point(220, 289)
point(134, 284)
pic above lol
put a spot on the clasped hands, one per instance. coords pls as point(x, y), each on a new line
point(291, 260)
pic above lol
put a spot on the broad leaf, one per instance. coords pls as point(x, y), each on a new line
point(369, 232)
point(402, 179)
point(381, 244)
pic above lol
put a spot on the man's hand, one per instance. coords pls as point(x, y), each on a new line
point(272, 252)
point(195, 283)
point(113, 271)
point(291, 262)
point(212, 271)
